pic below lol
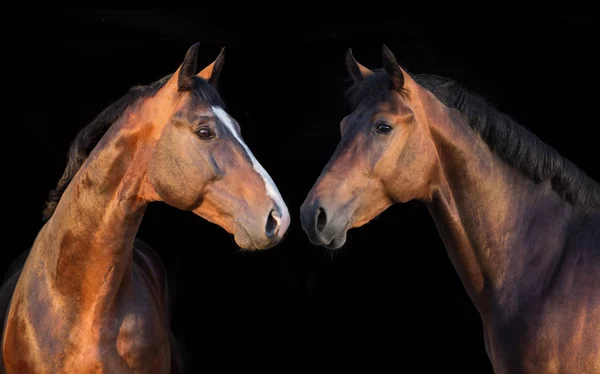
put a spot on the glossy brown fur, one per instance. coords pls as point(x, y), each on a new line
point(527, 251)
point(91, 298)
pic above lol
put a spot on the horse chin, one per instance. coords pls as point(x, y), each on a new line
point(242, 238)
point(337, 242)
point(246, 242)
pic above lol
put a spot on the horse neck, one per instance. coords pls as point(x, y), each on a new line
point(87, 243)
point(492, 219)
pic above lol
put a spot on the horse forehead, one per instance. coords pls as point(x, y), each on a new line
point(360, 115)
point(395, 105)
point(365, 112)
point(224, 119)
point(359, 120)
point(192, 113)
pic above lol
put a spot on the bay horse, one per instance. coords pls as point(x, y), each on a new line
point(91, 297)
point(521, 223)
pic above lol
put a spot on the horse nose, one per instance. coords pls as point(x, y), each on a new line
point(321, 220)
point(314, 219)
point(273, 223)
point(324, 223)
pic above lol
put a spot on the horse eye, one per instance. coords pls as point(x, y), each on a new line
point(383, 128)
point(204, 133)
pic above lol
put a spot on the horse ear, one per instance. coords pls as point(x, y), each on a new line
point(212, 72)
point(357, 71)
point(392, 67)
point(187, 70)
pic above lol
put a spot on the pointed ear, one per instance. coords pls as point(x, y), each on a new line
point(187, 70)
point(392, 67)
point(212, 72)
point(357, 71)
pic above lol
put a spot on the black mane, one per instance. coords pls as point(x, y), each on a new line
point(89, 136)
point(512, 142)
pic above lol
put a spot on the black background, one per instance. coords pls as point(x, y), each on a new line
point(391, 298)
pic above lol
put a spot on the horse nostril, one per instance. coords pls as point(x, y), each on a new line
point(321, 219)
point(272, 224)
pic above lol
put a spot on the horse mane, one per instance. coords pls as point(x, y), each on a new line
point(512, 142)
point(89, 136)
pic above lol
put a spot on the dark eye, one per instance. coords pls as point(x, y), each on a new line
point(204, 133)
point(383, 128)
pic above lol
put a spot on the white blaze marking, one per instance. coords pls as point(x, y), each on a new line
point(270, 186)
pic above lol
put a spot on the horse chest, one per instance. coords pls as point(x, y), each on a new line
point(544, 341)
point(524, 351)
point(134, 349)
point(133, 341)
point(132, 338)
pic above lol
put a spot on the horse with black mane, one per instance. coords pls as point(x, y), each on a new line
point(520, 223)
